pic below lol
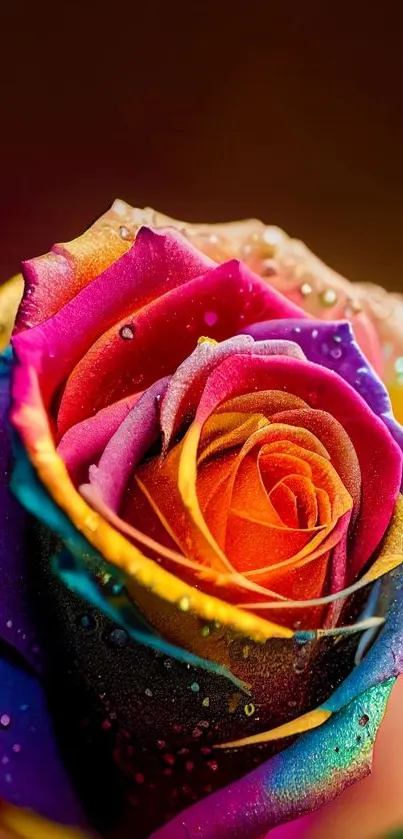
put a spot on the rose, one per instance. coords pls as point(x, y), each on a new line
point(109, 320)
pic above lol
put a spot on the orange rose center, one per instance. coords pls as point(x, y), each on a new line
point(266, 490)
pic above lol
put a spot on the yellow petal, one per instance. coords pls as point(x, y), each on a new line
point(23, 824)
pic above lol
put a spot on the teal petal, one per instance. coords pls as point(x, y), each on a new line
point(78, 575)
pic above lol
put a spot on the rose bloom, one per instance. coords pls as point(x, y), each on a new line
point(202, 613)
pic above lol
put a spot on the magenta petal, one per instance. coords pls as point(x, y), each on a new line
point(163, 333)
point(156, 263)
point(84, 443)
point(138, 431)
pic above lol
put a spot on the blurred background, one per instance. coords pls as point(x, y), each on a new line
point(288, 111)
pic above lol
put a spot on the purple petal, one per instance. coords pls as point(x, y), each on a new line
point(128, 445)
point(31, 772)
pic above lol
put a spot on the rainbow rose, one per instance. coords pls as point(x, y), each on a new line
point(202, 616)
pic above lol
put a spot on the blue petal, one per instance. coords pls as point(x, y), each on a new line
point(35, 498)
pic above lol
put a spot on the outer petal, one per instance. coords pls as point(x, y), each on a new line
point(154, 264)
point(292, 783)
point(58, 276)
point(16, 625)
point(10, 296)
point(23, 824)
point(31, 772)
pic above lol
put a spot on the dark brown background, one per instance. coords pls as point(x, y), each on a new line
point(291, 111)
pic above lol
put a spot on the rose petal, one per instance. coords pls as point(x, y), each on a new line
point(84, 443)
point(262, 799)
point(130, 443)
point(25, 734)
point(154, 264)
point(332, 345)
point(114, 367)
point(17, 627)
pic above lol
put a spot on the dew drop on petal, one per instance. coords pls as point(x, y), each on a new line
point(126, 332)
point(125, 233)
point(249, 709)
point(306, 289)
point(328, 297)
point(118, 637)
point(5, 720)
point(210, 318)
point(87, 622)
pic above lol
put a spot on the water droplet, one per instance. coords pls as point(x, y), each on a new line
point(205, 631)
point(315, 333)
point(16, 748)
point(127, 332)
point(269, 268)
point(9, 624)
point(206, 701)
point(118, 637)
point(87, 622)
point(184, 604)
point(148, 692)
point(306, 289)
point(170, 759)
point(364, 720)
point(245, 651)
point(249, 709)
point(337, 338)
point(195, 687)
point(336, 352)
point(213, 765)
point(189, 765)
point(125, 233)
point(328, 297)
point(91, 522)
point(5, 720)
point(297, 329)
point(301, 649)
point(210, 318)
